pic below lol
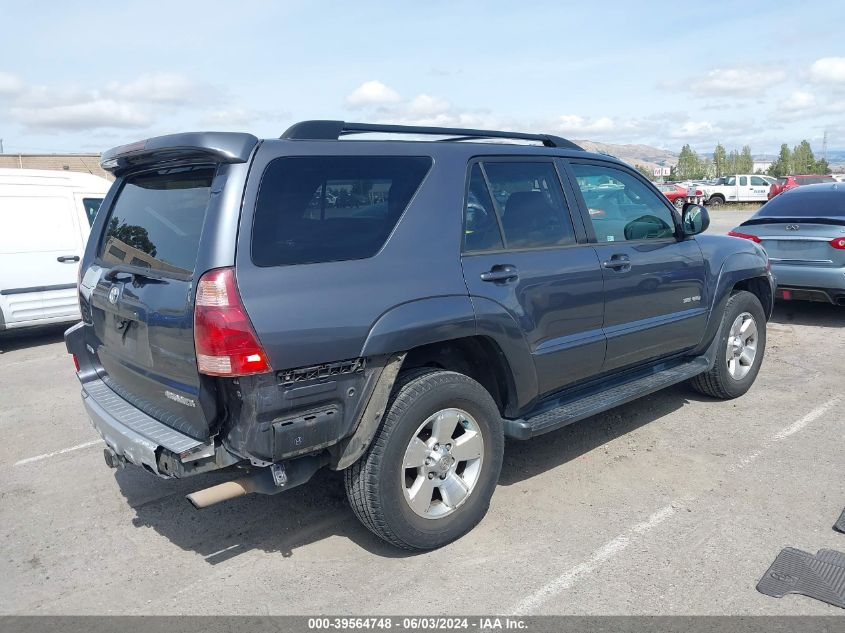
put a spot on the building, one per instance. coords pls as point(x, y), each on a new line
point(762, 166)
point(85, 163)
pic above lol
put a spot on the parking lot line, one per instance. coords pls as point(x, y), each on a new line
point(613, 547)
point(38, 458)
point(603, 553)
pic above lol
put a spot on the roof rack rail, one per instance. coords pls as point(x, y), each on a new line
point(333, 130)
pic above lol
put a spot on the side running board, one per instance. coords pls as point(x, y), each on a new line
point(584, 405)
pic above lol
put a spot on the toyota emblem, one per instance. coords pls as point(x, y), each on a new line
point(114, 293)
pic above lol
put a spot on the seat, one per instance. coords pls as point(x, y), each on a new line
point(529, 220)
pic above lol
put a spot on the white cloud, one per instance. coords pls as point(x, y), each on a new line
point(372, 93)
point(427, 106)
point(230, 117)
point(99, 113)
point(735, 82)
point(798, 100)
point(828, 70)
point(160, 87)
point(10, 84)
point(575, 125)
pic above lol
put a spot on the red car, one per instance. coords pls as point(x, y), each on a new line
point(790, 182)
point(677, 195)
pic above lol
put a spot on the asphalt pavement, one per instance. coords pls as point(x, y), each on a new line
point(674, 504)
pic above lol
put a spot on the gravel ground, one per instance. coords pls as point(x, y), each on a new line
point(674, 504)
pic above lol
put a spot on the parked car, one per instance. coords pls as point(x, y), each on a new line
point(791, 182)
point(399, 342)
point(679, 195)
point(46, 217)
point(738, 188)
point(803, 232)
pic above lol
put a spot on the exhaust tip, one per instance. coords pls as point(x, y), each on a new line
point(221, 492)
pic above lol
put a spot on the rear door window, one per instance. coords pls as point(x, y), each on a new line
point(314, 209)
point(157, 219)
point(531, 205)
point(92, 205)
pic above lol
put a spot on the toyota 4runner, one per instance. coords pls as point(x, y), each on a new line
point(393, 309)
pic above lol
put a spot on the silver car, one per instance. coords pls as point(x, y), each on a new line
point(803, 231)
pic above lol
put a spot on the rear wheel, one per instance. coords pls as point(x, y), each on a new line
point(431, 470)
point(740, 348)
point(715, 201)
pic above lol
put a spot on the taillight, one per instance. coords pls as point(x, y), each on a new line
point(75, 362)
point(838, 243)
point(699, 192)
point(225, 341)
point(745, 236)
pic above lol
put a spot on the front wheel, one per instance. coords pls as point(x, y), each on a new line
point(431, 470)
point(740, 347)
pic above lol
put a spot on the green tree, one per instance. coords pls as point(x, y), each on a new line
point(746, 161)
point(689, 164)
point(803, 160)
point(732, 163)
point(783, 165)
point(822, 166)
point(719, 157)
point(645, 171)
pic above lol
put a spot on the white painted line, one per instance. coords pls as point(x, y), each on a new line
point(38, 458)
point(813, 415)
point(603, 553)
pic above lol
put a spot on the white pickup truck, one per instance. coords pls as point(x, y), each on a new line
point(738, 188)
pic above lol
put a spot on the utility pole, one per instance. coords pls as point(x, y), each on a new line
point(824, 145)
point(1, 145)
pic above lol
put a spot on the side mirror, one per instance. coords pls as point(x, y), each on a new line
point(694, 219)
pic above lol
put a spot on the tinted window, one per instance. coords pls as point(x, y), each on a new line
point(805, 203)
point(481, 228)
point(157, 219)
point(621, 206)
point(92, 205)
point(743, 181)
point(813, 180)
point(757, 181)
point(531, 204)
point(331, 208)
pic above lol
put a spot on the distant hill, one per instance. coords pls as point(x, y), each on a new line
point(634, 154)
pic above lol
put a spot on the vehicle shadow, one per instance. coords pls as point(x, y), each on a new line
point(319, 511)
point(808, 313)
point(12, 340)
point(524, 460)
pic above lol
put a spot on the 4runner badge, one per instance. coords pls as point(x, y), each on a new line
point(180, 399)
point(114, 293)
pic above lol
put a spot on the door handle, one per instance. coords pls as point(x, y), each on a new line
point(617, 262)
point(67, 258)
point(500, 272)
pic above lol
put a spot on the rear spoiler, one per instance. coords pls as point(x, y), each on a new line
point(836, 221)
point(220, 147)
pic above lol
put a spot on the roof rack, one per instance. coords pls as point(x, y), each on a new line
point(333, 130)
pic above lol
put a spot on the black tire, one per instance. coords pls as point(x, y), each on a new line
point(679, 203)
point(718, 382)
point(715, 201)
point(374, 484)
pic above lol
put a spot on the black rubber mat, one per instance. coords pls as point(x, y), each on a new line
point(839, 526)
point(820, 576)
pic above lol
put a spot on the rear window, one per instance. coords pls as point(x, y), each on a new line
point(331, 208)
point(807, 203)
point(92, 205)
point(157, 219)
point(813, 180)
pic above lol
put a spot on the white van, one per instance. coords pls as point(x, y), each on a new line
point(45, 217)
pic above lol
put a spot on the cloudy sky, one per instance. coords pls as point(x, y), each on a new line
point(83, 76)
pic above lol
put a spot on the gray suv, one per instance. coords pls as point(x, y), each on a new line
point(393, 309)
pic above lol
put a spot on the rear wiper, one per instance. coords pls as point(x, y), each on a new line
point(134, 275)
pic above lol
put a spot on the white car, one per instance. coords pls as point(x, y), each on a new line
point(739, 188)
point(45, 218)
